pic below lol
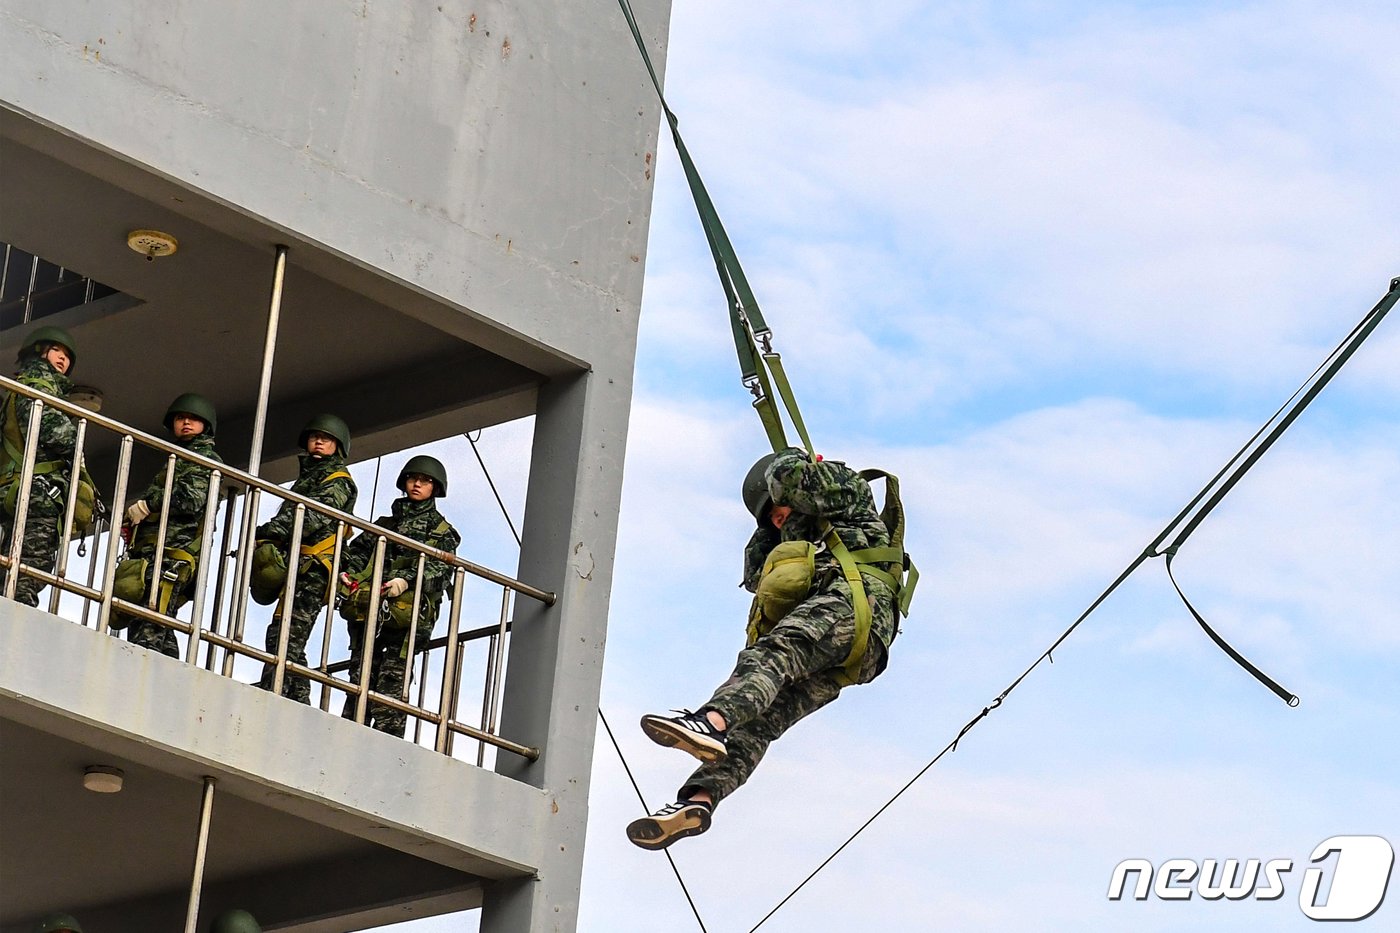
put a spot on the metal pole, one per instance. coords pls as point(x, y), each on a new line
point(454, 621)
point(330, 613)
point(69, 507)
point(26, 486)
point(242, 569)
point(497, 666)
point(217, 608)
point(284, 634)
point(109, 572)
point(371, 631)
point(274, 312)
point(201, 577)
point(97, 531)
point(162, 525)
point(206, 810)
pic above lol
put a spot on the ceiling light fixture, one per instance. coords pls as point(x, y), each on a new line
point(152, 243)
point(102, 779)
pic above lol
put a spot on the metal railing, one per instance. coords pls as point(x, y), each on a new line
point(222, 634)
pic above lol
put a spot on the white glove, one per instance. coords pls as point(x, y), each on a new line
point(138, 512)
point(395, 588)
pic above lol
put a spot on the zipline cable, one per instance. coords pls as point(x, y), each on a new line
point(1221, 484)
point(613, 738)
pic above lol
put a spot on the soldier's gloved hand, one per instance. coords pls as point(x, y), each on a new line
point(395, 588)
point(138, 512)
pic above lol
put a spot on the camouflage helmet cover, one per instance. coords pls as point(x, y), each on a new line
point(430, 467)
point(40, 336)
point(192, 403)
point(328, 424)
point(58, 923)
point(235, 921)
point(756, 496)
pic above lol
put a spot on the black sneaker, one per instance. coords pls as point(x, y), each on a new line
point(673, 821)
point(690, 732)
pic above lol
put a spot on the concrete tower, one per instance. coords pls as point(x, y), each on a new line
point(428, 218)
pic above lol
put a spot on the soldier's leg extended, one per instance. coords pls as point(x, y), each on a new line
point(389, 675)
point(307, 603)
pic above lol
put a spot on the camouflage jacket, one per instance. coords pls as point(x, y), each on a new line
point(420, 521)
point(189, 493)
point(313, 481)
point(58, 433)
point(818, 492)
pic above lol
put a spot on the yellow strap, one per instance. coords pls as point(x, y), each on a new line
point(859, 602)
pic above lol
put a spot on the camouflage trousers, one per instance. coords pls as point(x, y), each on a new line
point(39, 548)
point(389, 668)
point(307, 602)
point(788, 674)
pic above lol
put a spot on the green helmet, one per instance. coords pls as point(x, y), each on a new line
point(430, 467)
point(328, 424)
point(41, 336)
point(756, 495)
point(192, 403)
point(60, 922)
point(235, 921)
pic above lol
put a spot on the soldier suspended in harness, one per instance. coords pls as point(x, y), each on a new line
point(423, 480)
point(192, 422)
point(323, 477)
point(827, 570)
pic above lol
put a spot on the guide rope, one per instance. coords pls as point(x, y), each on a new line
point(608, 728)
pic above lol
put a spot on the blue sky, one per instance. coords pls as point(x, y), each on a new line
point(1052, 263)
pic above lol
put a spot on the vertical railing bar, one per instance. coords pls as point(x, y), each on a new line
point(497, 673)
point(242, 564)
point(70, 506)
point(486, 697)
point(371, 625)
point(97, 530)
point(5, 271)
point(201, 577)
point(104, 612)
point(162, 526)
point(284, 634)
point(330, 613)
point(26, 487)
point(454, 620)
point(456, 694)
point(216, 610)
point(201, 851)
point(422, 696)
point(413, 629)
point(88, 290)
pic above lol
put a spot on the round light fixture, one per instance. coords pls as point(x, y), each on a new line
point(102, 779)
point(89, 397)
point(152, 243)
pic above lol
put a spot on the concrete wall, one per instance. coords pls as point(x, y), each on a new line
point(497, 154)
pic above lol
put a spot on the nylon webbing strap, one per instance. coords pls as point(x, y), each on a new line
point(1190, 518)
point(859, 602)
point(759, 372)
point(1289, 698)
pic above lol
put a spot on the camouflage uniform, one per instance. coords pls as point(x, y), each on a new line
point(796, 668)
point(389, 660)
point(313, 579)
point(48, 497)
point(189, 494)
